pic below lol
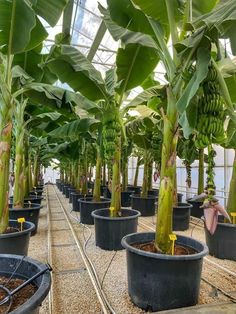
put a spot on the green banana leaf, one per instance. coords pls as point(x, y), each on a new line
point(73, 68)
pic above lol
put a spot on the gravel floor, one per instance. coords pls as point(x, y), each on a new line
point(74, 292)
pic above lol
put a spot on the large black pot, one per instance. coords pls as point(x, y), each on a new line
point(126, 198)
point(27, 269)
point(71, 190)
point(36, 192)
point(196, 209)
point(179, 197)
point(146, 205)
point(222, 244)
point(60, 186)
point(110, 230)
point(16, 242)
point(159, 282)
point(75, 196)
point(102, 188)
point(87, 206)
point(30, 214)
point(65, 187)
point(154, 192)
point(135, 189)
point(30, 199)
point(181, 216)
point(67, 190)
point(106, 192)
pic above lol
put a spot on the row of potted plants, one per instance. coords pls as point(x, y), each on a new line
point(193, 104)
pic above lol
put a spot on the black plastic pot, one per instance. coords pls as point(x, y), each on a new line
point(30, 214)
point(28, 268)
point(135, 189)
point(16, 242)
point(87, 206)
point(126, 199)
point(106, 192)
point(179, 197)
point(75, 196)
point(30, 199)
point(71, 190)
point(222, 244)
point(159, 282)
point(154, 192)
point(67, 190)
point(60, 186)
point(102, 188)
point(110, 230)
point(64, 188)
point(146, 205)
point(36, 192)
point(181, 216)
point(196, 209)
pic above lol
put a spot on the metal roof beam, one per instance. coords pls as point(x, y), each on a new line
point(97, 41)
point(67, 18)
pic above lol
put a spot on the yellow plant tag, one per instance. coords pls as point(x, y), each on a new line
point(234, 217)
point(112, 210)
point(173, 238)
point(21, 221)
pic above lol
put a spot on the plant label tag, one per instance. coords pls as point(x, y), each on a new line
point(234, 217)
point(21, 220)
point(173, 237)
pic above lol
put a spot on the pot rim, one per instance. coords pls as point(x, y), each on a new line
point(95, 215)
point(149, 197)
point(31, 227)
point(132, 249)
point(27, 208)
point(224, 225)
point(184, 205)
point(89, 200)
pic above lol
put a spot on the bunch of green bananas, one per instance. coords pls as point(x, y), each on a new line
point(210, 173)
point(211, 116)
point(111, 129)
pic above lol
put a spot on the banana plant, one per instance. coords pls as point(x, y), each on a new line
point(191, 49)
point(73, 68)
point(21, 30)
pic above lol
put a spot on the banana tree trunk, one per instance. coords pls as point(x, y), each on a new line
point(84, 181)
point(116, 189)
point(168, 173)
point(150, 175)
point(104, 179)
point(125, 176)
point(97, 183)
point(90, 173)
point(78, 178)
point(201, 172)
point(231, 204)
point(30, 174)
point(144, 192)
point(5, 144)
point(136, 172)
point(36, 170)
point(26, 167)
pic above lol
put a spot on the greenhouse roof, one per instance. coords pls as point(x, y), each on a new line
point(88, 33)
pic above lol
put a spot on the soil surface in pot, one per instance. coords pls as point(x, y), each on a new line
point(19, 298)
point(10, 230)
point(150, 247)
